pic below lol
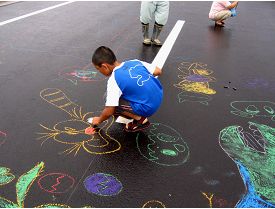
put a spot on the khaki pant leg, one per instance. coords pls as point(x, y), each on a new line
point(222, 15)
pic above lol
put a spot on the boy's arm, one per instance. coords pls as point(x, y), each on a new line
point(105, 114)
point(153, 69)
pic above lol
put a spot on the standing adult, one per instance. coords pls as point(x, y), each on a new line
point(221, 10)
point(158, 10)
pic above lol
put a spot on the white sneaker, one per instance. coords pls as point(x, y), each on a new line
point(147, 41)
point(157, 42)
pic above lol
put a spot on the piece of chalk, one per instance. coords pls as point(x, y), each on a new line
point(90, 120)
point(89, 130)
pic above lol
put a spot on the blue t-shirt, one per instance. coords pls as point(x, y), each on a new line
point(134, 81)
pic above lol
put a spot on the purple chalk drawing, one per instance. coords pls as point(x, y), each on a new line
point(197, 78)
point(103, 184)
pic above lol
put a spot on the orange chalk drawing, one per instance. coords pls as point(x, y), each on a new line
point(72, 132)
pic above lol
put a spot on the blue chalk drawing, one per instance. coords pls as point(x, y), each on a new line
point(103, 184)
point(251, 199)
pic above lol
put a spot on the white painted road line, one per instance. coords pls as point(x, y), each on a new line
point(168, 44)
point(34, 13)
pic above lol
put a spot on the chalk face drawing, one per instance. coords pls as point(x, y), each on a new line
point(23, 186)
point(81, 74)
point(163, 145)
point(5, 176)
point(56, 183)
point(72, 132)
point(195, 78)
point(250, 109)
point(153, 204)
point(254, 153)
point(3, 138)
point(103, 184)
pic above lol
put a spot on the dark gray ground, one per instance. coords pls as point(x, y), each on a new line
point(36, 50)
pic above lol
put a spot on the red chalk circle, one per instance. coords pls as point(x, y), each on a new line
point(56, 183)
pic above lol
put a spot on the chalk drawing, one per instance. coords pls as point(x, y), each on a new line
point(53, 205)
point(56, 182)
point(153, 204)
point(72, 132)
point(103, 184)
point(3, 137)
point(254, 156)
point(258, 82)
point(23, 185)
point(250, 109)
point(197, 170)
point(163, 146)
point(84, 74)
point(209, 198)
point(5, 176)
point(211, 182)
point(190, 97)
point(195, 78)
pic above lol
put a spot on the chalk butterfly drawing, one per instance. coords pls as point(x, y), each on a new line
point(72, 132)
point(253, 151)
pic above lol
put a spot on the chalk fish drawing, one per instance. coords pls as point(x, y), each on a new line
point(195, 78)
point(250, 109)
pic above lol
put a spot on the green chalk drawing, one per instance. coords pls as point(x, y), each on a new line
point(255, 150)
point(250, 109)
point(4, 203)
point(163, 145)
point(25, 181)
point(5, 176)
point(23, 186)
point(169, 152)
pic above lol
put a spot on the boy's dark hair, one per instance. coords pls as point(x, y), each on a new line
point(103, 54)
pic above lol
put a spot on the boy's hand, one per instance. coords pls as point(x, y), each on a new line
point(96, 121)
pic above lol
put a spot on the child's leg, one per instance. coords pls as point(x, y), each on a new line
point(222, 15)
point(139, 123)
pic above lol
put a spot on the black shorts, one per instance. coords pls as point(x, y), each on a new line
point(124, 106)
